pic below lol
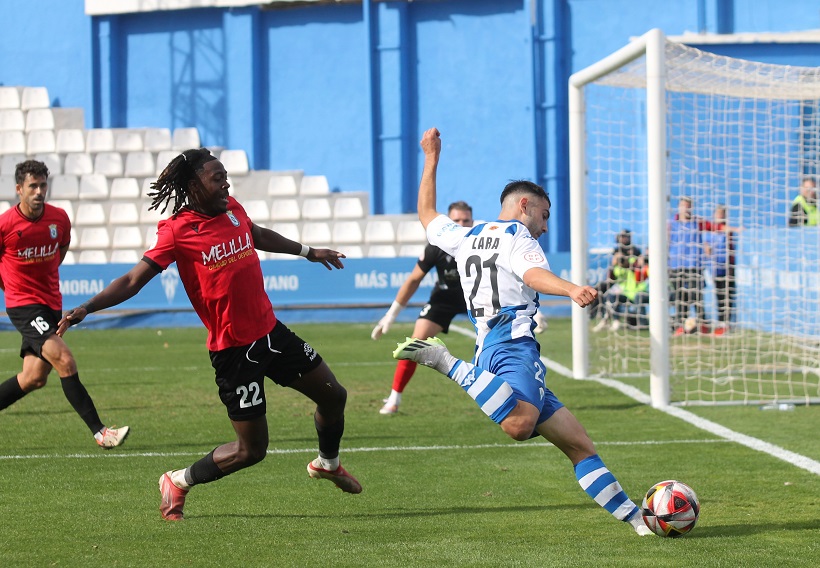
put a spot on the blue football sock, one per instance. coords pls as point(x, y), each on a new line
point(599, 483)
point(494, 395)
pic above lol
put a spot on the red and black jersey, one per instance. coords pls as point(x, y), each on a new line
point(220, 270)
point(30, 256)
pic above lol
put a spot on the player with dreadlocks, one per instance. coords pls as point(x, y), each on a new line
point(212, 240)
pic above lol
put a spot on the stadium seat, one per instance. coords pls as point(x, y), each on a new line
point(415, 251)
point(381, 251)
point(287, 230)
point(99, 140)
point(94, 238)
point(316, 234)
point(257, 210)
point(52, 160)
point(348, 208)
point(66, 205)
point(282, 186)
point(163, 159)
point(314, 185)
point(8, 164)
point(411, 232)
point(10, 97)
point(69, 258)
point(352, 251)
point(90, 214)
point(124, 256)
point(78, 163)
point(146, 188)
point(39, 119)
point(12, 142)
point(316, 208)
point(34, 97)
point(379, 231)
point(12, 119)
point(151, 216)
point(128, 141)
point(5, 206)
point(70, 140)
point(285, 210)
point(128, 237)
point(93, 186)
point(124, 213)
point(108, 164)
point(235, 162)
point(347, 232)
point(40, 141)
point(185, 139)
point(124, 188)
point(93, 257)
point(157, 139)
point(64, 186)
point(150, 237)
point(139, 164)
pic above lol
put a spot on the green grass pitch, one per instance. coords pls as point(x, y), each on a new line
point(443, 486)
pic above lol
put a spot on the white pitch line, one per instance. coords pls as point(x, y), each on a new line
point(773, 450)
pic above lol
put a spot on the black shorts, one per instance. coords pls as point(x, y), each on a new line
point(441, 313)
point(241, 371)
point(36, 323)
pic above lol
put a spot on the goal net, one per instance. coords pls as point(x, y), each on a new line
point(724, 311)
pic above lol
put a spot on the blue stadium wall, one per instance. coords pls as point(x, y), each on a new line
point(346, 90)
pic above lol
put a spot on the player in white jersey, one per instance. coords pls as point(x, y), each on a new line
point(503, 269)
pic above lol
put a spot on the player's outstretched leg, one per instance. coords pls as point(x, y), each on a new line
point(430, 352)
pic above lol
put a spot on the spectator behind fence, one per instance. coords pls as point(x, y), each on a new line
point(804, 207)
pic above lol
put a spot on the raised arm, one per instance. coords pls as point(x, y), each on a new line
point(431, 146)
point(121, 289)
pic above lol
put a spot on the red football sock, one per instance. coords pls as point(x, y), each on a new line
point(404, 372)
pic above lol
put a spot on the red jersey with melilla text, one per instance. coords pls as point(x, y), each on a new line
point(30, 256)
point(221, 273)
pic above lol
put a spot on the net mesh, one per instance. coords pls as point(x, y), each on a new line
point(741, 137)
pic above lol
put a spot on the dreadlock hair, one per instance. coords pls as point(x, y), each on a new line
point(172, 183)
point(29, 167)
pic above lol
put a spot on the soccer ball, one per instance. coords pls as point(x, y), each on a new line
point(670, 508)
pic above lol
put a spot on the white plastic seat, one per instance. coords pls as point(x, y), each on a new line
point(347, 232)
point(379, 231)
point(411, 232)
point(93, 257)
point(66, 205)
point(235, 162)
point(257, 210)
point(124, 188)
point(285, 210)
point(69, 258)
point(282, 186)
point(287, 230)
point(52, 160)
point(381, 251)
point(70, 140)
point(90, 214)
point(39, 119)
point(34, 97)
point(12, 142)
point(94, 238)
point(7, 181)
point(40, 141)
point(78, 163)
point(157, 139)
point(316, 208)
point(125, 213)
point(64, 186)
point(108, 164)
point(416, 250)
point(128, 237)
point(12, 119)
point(151, 216)
point(146, 188)
point(124, 256)
point(128, 141)
point(93, 186)
point(8, 164)
point(4, 206)
point(348, 208)
point(185, 139)
point(352, 251)
point(99, 140)
point(150, 237)
point(10, 97)
point(314, 185)
point(139, 164)
point(163, 159)
point(316, 233)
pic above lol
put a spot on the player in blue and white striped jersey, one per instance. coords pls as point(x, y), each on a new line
point(503, 269)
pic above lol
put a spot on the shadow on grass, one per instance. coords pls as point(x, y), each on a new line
point(723, 531)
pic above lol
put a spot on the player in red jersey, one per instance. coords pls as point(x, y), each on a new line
point(34, 239)
point(212, 240)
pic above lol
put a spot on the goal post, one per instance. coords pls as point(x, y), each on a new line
point(657, 121)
